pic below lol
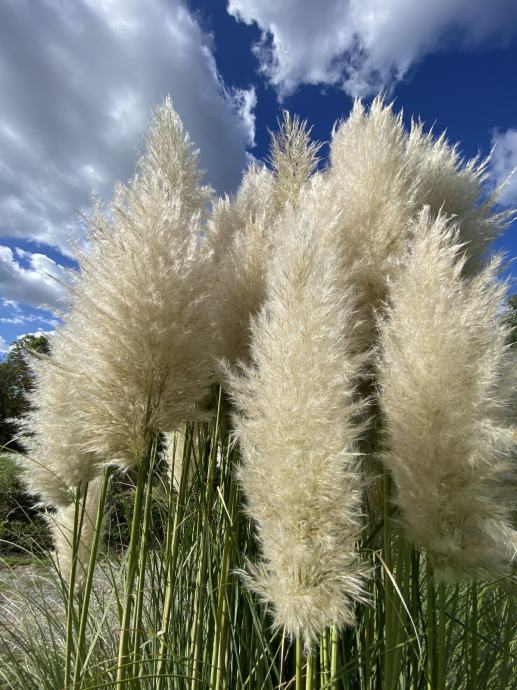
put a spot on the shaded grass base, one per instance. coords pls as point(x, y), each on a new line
point(192, 624)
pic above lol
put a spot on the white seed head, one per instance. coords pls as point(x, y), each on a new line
point(446, 383)
point(297, 432)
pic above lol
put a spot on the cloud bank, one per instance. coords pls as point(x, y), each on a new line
point(38, 283)
point(504, 163)
point(78, 80)
point(365, 46)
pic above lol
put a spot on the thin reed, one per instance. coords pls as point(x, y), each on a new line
point(197, 626)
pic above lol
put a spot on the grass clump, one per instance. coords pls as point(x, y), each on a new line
point(320, 366)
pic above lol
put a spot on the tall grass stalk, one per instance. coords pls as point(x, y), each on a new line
point(197, 628)
point(71, 616)
point(132, 567)
point(171, 549)
point(142, 561)
point(183, 587)
point(85, 604)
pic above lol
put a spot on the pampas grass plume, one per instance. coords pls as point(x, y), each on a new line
point(55, 463)
point(300, 471)
point(243, 232)
point(446, 381)
point(129, 349)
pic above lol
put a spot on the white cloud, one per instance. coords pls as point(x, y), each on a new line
point(35, 334)
point(78, 80)
point(14, 315)
point(365, 45)
point(246, 100)
point(38, 285)
point(4, 347)
point(504, 162)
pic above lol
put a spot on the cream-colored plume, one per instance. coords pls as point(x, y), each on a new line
point(448, 183)
point(243, 233)
point(55, 463)
point(176, 446)
point(381, 177)
point(446, 381)
point(293, 158)
point(240, 233)
point(136, 350)
point(371, 184)
point(297, 434)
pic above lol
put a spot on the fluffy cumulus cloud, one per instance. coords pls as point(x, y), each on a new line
point(78, 80)
point(365, 45)
point(504, 164)
point(31, 278)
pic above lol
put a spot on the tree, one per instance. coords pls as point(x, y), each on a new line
point(15, 381)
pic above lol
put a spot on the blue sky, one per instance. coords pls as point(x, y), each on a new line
point(78, 79)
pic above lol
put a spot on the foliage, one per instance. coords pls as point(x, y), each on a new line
point(22, 529)
point(16, 379)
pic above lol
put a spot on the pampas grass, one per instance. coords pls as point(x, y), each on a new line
point(55, 463)
point(154, 377)
point(71, 543)
point(126, 365)
point(446, 378)
point(456, 187)
point(371, 185)
point(321, 361)
point(241, 233)
point(298, 436)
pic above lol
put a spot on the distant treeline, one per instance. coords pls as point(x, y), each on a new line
point(15, 380)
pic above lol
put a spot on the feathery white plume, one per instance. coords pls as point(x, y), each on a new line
point(55, 463)
point(134, 356)
point(136, 346)
point(371, 185)
point(293, 158)
point(246, 229)
point(447, 182)
point(297, 434)
point(446, 381)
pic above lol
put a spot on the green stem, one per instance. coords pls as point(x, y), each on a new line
point(142, 559)
point(441, 647)
point(132, 564)
point(70, 622)
point(431, 628)
point(416, 609)
point(506, 665)
point(89, 577)
point(221, 620)
point(474, 639)
point(389, 642)
point(309, 672)
point(299, 665)
point(334, 651)
point(172, 549)
point(324, 658)
point(197, 630)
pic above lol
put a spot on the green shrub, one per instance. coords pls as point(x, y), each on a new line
point(22, 527)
